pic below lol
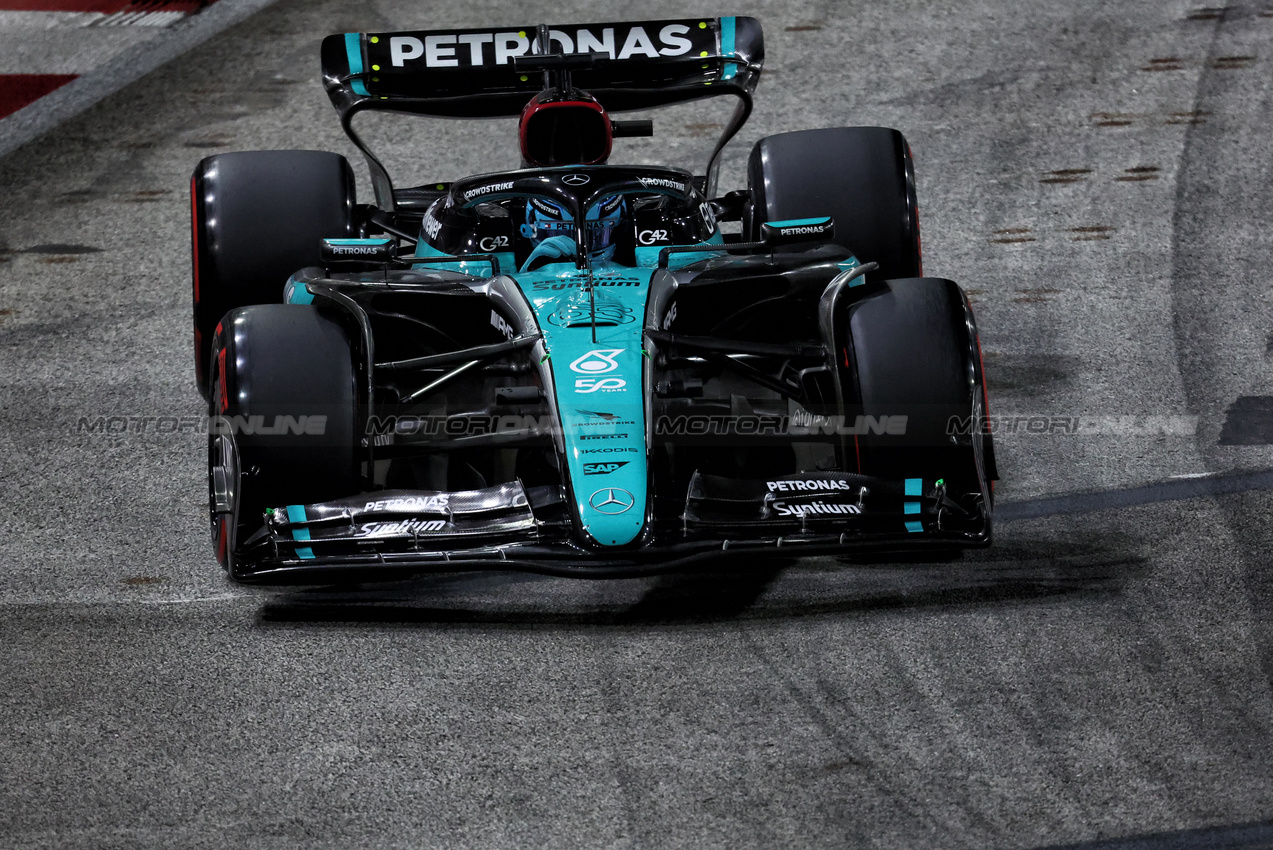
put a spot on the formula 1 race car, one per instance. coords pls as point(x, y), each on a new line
point(570, 368)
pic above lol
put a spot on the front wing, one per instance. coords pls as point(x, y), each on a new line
point(397, 533)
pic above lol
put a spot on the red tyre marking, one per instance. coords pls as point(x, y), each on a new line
point(105, 7)
point(225, 397)
point(19, 90)
point(194, 237)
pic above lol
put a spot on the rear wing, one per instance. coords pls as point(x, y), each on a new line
point(471, 74)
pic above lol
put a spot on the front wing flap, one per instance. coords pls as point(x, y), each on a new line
point(396, 533)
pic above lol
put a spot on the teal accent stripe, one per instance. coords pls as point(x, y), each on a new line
point(357, 241)
point(505, 262)
point(848, 266)
point(910, 507)
point(296, 513)
point(799, 222)
point(913, 526)
point(295, 292)
point(353, 51)
point(914, 486)
point(727, 47)
point(648, 257)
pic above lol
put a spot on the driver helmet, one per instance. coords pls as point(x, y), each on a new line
point(545, 219)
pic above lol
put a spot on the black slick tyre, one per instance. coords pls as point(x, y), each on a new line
point(861, 176)
point(284, 409)
point(914, 353)
point(257, 217)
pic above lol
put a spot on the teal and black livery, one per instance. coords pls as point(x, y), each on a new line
point(570, 368)
point(466, 73)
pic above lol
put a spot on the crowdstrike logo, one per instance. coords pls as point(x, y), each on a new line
point(661, 183)
point(487, 190)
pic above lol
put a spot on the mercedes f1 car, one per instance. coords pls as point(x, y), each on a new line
point(571, 368)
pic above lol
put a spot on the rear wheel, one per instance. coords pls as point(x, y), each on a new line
point(861, 176)
point(283, 396)
point(257, 217)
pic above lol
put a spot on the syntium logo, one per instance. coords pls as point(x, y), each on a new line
point(406, 526)
point(815, 509)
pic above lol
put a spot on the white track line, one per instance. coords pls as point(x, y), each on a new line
point(117, 72)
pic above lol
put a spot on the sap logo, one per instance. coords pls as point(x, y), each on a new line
point(602, 436)
point(486, 190)
point(492, 243)
point(452, 50)
point(815, 509)
point(432, 227)
point(600, 385)
point(669, 318)
point(653, 237)
point(603, 468)
point(411, 503)
point(816, 486)
point(597, 362)
point(497, 322)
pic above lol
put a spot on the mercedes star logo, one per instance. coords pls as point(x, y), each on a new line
point(575, 179)
point(611, 500)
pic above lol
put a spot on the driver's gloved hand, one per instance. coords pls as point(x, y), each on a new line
point(552, 248)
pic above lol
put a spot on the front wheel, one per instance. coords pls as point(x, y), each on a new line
point(283, 429)
point(913, 349)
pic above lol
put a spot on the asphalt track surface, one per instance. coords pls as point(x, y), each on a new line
point(1099, 175)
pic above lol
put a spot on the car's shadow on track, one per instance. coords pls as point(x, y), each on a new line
point(1023, 571)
